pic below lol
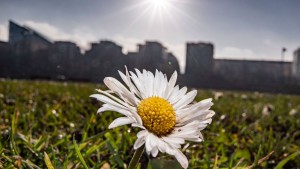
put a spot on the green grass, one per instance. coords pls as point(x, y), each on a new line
point(51, 124)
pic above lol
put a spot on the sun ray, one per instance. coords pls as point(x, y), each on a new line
point(188, 16)
point(157, 14)
point(139, 17)
point(128, 9)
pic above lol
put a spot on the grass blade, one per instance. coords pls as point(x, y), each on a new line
point(216, 162)
point(48, 161)
point(79, 154)
point(284, 161)
point(257, 156)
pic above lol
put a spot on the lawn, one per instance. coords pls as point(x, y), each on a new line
point(46, 124)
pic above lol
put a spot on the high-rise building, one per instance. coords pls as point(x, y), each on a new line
point(296, 64)
point(150, 56)
point(199, 63)
point(65, 61)
point(199, 58)
point(25, 39)
point(104, 59)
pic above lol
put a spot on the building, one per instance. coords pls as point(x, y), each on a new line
point(104, 59)
point(5, 59)
point(296, 65)
point(199, 63)
point(202, 70)
point(27, 46)
point(25, 38)
point(153, 55)
point(30, 55)
point(170, 64)
point(150, 55)
point(65, 61)
point(241, 74)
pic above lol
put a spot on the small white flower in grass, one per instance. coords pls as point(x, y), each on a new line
point(163, 111)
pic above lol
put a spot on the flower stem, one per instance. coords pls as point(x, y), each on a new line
point(136, 157)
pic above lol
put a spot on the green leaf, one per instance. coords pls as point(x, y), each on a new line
point(12, 135)
point(242, 153)
point(284, 161)
point(115, 156)
point(257, 156)
point(95, 147)
point(216, 162)
point(48, 161)
point(79, 154)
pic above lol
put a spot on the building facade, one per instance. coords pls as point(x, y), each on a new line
point(202, 70)
point(296, 65)
point(30, 55)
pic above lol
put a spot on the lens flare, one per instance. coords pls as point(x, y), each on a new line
point(159, 3)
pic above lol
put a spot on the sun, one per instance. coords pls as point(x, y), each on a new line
point(159, 3)
point(157, 15)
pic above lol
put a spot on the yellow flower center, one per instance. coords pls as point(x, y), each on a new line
point(157, 114)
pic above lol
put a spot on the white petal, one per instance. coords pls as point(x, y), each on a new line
point(108, 100)
point(120, 121)
point(138, 143)
point(138, 73)
point(109, 107)
point(138, 84)
point(201, 136)
point(162, 146)
point(181, 158)
point(187, 99)
point(126, 78)
point(161, 85)
point(170, 85)
point(176, 141)
point(198, 115)
point(177, 95)
point(142, 133)
point(203, 116)
point(201, 103)
point(148, 143)
point(150, 83)
point(147, 81)
point(156, 83)
point(170, 150)
point(138, 125)
point(115, 105)
point(154, 151)
point(193, 108)
point(194, 139)
point(173, 93)
point(116, 86)
point(133, 114)
point(106, 93)
point(192, 133)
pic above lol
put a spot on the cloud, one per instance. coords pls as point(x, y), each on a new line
point(179, 51)
point(81, 36)
point(3, 33)
point(267, 42)
point(129, 44)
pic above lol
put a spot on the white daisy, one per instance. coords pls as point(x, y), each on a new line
point(163, 111)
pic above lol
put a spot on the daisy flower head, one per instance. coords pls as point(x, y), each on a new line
point(163, 111)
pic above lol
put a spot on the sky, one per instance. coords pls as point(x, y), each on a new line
point(239, 29)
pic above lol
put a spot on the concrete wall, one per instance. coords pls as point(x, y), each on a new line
point(252, 72)
point(296, 65)
point(199, 59)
